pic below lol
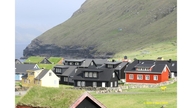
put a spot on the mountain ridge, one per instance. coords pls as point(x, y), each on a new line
point(110, 27)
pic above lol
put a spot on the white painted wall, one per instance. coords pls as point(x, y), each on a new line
point(50, 81)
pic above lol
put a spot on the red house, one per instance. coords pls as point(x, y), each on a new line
point(146, 73)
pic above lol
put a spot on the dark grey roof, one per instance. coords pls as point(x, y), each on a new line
point(144, 65)
point(42, 74)
point(113, 63)
point(61, 66)
point(21, 68)
point(104, 75)
point(171, 64)
point(145, 61)
point(70, 71)
point(158, 68)
point(100, 61)
point(74, 60)
point(86, 63)
point(122, 65)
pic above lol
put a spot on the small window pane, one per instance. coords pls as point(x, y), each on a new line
point(90, 74)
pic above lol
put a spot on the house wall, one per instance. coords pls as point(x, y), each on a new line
point(30, 79)
point(151, 80)
point(165, 75)
point(90, 83)
point(70, 81)
point(50, 81)
point(18, 77)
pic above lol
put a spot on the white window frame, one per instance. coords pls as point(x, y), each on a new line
point(65, 79)
point(111, 84)
point(94, 74)
point(113, 74)
point(110, 66)
point(90, 74)
point(138, 78)
point(78, 83)
point(86, 74)
point(58, 70)
point(83, 83)
point(155, 77)
point(115, 83)
point(147, 77)
point(131, 78)
point(94, 84)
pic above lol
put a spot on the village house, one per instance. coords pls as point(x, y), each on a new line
point(41, 77)
point(99, 77)
point(20, 70)
point(150, 72)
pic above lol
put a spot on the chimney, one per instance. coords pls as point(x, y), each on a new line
point(169, 61)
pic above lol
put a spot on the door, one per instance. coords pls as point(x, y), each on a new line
point(103, 84)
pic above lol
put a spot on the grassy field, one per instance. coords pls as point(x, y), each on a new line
point(132, 98)
point(141, 98)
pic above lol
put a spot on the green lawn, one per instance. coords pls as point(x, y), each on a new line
point(141, 98)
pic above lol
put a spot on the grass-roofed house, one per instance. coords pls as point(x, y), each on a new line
point(37, 60)
point(43, 97)
point(41, 77)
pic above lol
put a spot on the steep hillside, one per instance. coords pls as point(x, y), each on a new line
point(109, 27)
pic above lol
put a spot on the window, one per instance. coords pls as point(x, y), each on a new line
point(77, 63)
point(147, 77)
point(139, 77)
point(94, 84)
point(31, 73)
point(86, 74)
point(110, 66)
point(55, 82)
point(111, 84)
point(58, 70)
point(70, 63)
point(155, 77)
point(50, 74)
point(115, 83)
point(95, 74)
point(130, 76)
point(83, 83)
point(113, 75)
point(65, 79)
point(91, 63)
point(25, 80)
point(90, 74)
point(78, 83)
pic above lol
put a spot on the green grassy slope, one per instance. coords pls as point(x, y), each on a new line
point(50, 97)
point(121, 27)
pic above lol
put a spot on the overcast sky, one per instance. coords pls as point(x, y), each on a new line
point(33, 17)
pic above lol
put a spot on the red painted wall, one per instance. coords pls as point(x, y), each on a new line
point(143, 80)
point(161, 77)
point(165, 75)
